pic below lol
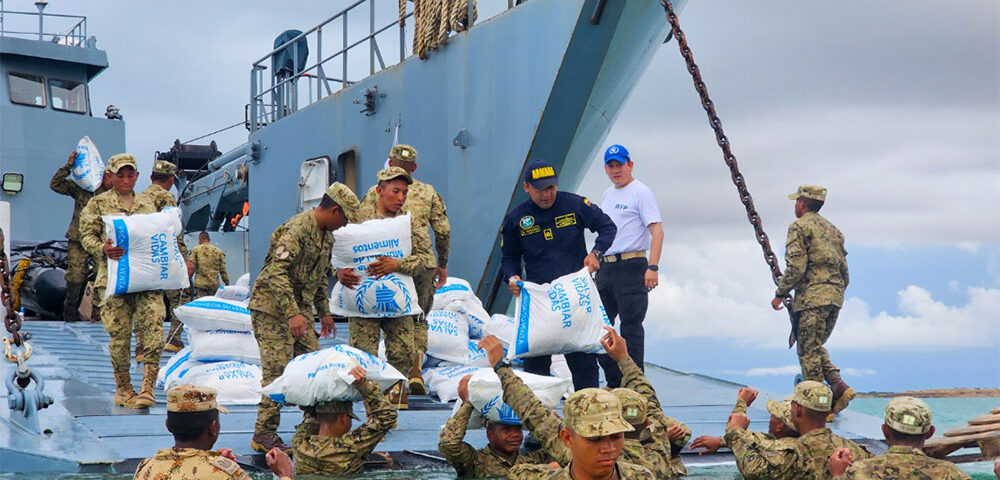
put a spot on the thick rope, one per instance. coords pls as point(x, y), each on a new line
point(436, 19)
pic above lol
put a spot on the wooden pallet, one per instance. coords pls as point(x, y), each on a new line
point(982, 432)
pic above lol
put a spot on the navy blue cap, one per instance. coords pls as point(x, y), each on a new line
point(616, 153)
point(540, 174)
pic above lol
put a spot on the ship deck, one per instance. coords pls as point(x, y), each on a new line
point(84, 432)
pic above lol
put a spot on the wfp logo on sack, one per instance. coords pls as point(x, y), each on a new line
point(503, 413)
point(387, 291)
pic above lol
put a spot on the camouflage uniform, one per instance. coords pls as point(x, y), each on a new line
point(323, 454)
point(399, 331)
point(910, 416)
point(485, 462)
point(119, 313)
point(190, 463)
point(581, 408)
point(659, 423)
point(759, 455)
point(816, 268)
point(76, 256)
point(653, 455)
point(162, 198)
point(209, 264)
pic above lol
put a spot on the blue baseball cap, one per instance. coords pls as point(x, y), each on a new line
point(540, 174)
point(616, 153)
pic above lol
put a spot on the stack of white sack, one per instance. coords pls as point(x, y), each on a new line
point(240, 291)
point(456, 295)
point(501, 326)
point(322, 376)
point(563, 316)
point(88, 168)
point(237, 383)
point(448, 340)
point(219, 330)
point(152, 259)
point(486, 394)
point(357, 246)
point(443, 381)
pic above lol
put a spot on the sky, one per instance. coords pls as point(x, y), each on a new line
point(893, 105)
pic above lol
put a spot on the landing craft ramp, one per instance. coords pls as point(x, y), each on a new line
point(85, 433)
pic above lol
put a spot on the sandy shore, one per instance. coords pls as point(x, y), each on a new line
point(938, 393)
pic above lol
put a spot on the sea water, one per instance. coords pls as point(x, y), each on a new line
point(948, 413)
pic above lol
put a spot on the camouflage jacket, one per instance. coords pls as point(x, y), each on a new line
point(806, 460)
point(92, 234)
point(189, 464)
point(904, 463)
point(420, 252)
point(323, 454)
point(294, 277)
point(659, 423)
point(815, 263)
point(482, 463)
point(161, 198)
point(209, 264)
point(64, 186)
point(759, 455)
point(624, 471)
point(427, 208)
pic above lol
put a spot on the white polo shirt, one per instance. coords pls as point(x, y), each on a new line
point(632, 208)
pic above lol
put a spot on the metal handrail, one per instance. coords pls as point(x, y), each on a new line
point(77, 32)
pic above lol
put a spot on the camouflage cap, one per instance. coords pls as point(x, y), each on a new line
point(193, 398)
point(633, 406)
point(342, 194)
point(809, 191)
point(908, 415)
point(116, 162)
point(337, 407)
point(592, 412)
point(403, 153)
point(392, 173)
point(782, 411)
point(813, 395)
point(164, 167)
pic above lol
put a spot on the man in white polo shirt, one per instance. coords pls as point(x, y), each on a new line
point(626, 276)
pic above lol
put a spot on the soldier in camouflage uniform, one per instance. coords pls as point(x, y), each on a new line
point(209, 264)
point(193, 419)
point(816, 268)
point(907, 425)
point(593, 431)
point(427, 208)
point(493, 460)
point(289, 292)
point(158, 193)
point(331, 447)
point(392, 190)
point(76, 257)
point(119, 313)
point(807, 459)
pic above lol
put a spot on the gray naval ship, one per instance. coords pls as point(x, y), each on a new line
point(544, 78)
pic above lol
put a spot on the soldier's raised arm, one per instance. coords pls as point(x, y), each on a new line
point(59, 183)
point(451, 442)
point(381, 418)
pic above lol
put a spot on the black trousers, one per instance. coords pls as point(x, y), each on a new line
point(622, 287)
point(583, 366)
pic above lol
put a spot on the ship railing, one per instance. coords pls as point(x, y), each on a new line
point(68, 30)
point(273, 97)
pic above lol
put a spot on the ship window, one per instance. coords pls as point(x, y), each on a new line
point(26, 89)
point(68, 96)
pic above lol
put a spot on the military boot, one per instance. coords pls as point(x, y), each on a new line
point(139, 357)
point(71, 304)
point(147, 394)
point(416, 379)
point(175, 344)
point(124, 393)
point(264, 442)
point(396, 395)
point(842, 396)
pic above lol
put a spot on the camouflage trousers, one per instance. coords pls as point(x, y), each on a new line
point(174, 299)
point(76, 263)
point(424, 282)
point(364, 334)
point(142, 311)
point(815, 327)
point(204, 292)
point(277, 348)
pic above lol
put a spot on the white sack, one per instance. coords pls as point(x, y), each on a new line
point(501, 326)
point(322, 376)
point(152, 260)
point(215, 313)
point(239, 293)
point(443, 381)
point(236, 383)
point(447, 336)
point(475, 315)
point(358, 244)
point(560, 368)
point(179, 361)
point(243, 281)
point(393, 295)
point(486, 393)
point(454, 288)
point(224, 345)
point(88, 168)
point(560, 317)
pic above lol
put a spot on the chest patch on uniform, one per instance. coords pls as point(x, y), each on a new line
point(527, 221)
point(280, 252)
point(548, 234)
point(530, 231)
point(565, 220)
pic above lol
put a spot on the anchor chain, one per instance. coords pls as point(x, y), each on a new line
point(729, 158)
